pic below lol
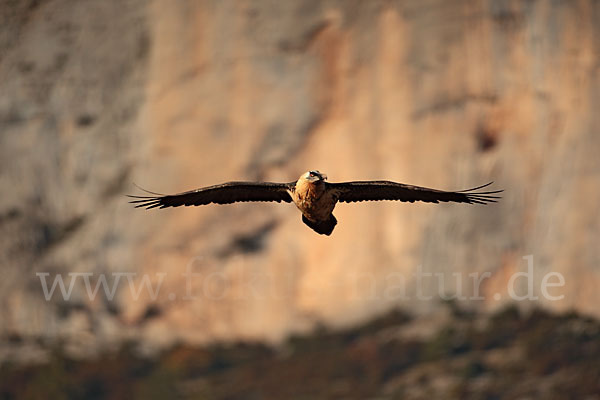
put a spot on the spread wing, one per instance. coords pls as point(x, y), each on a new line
point(386, 190)
point(226, 193)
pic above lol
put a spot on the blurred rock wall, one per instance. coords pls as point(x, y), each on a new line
point(173, 95)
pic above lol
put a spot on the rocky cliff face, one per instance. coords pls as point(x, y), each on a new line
point(173, 95)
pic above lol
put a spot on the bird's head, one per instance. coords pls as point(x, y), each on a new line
point(314, 176)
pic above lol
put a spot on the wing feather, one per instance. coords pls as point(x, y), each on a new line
point(226, 193)
point(387, 190)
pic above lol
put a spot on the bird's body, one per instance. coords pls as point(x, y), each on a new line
point(316, 203)
point(314, 197)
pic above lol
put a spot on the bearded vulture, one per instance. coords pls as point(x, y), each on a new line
point(315, 197)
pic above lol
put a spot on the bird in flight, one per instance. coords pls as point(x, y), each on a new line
point(314, 196)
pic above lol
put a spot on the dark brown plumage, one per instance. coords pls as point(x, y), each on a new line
point(386, 190)
point(315, 197)
point(226, 193)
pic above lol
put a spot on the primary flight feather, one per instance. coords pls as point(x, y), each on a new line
point(314, 196)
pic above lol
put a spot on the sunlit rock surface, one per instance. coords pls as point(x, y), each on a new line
point(173, 95)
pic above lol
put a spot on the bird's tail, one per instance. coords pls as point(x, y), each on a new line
point(322, 227)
